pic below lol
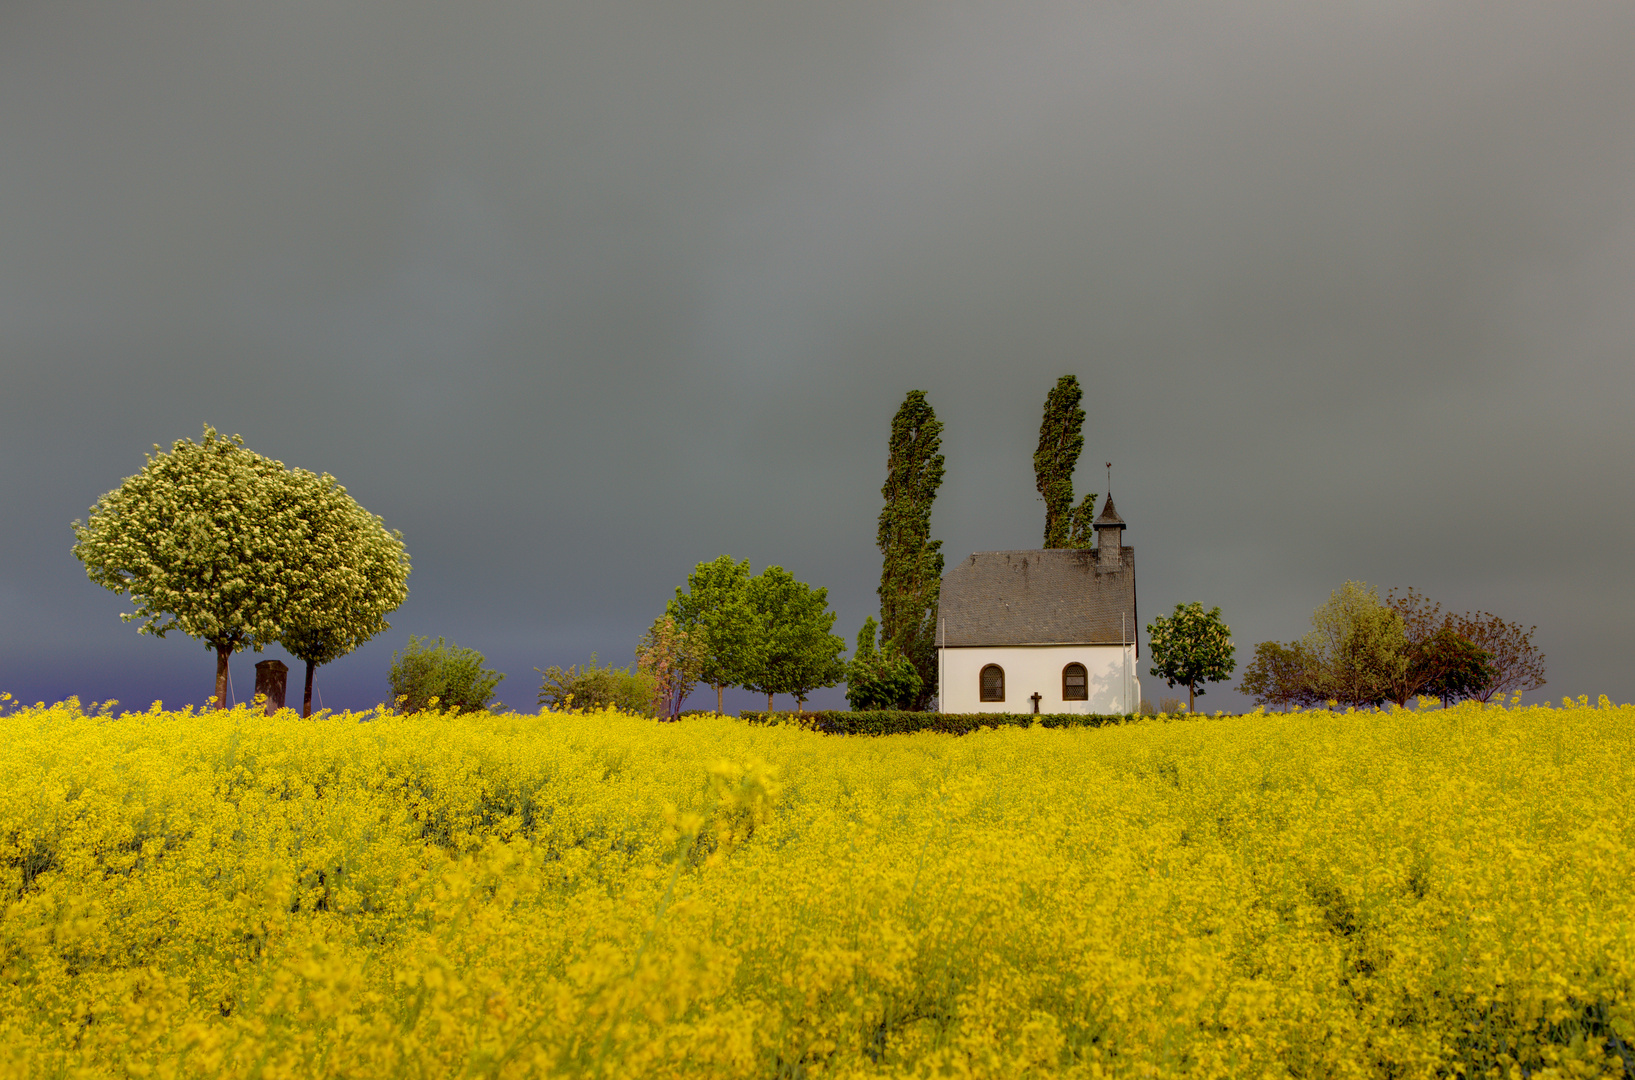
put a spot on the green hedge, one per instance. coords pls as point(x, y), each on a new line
point(898, 721)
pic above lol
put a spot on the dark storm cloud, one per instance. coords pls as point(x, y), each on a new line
point(577, 296)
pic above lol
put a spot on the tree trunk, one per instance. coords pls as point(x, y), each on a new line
point(769, 703)
point(720, 707)
point(222, 653)
point(306, 698)
point(800, 704)
point(1189, 698)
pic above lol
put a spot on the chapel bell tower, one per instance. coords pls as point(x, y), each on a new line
point(1109, 538)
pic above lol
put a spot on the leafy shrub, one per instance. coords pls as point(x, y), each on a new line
point(880, 678)
point(441, 676)
point(591, 688)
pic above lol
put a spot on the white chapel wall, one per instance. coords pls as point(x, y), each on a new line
point(1114, 687)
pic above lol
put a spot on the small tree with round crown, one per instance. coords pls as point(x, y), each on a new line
point(1191, 647)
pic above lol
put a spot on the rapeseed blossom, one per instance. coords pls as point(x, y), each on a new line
point(1410, 893)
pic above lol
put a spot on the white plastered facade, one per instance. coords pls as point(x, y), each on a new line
point(1030, 669)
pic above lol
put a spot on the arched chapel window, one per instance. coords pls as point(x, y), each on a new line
point(1075, 684)
point(993, 683)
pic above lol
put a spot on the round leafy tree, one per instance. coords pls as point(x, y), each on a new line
point(1191, 647)
point(797, 653)
point(201, 539)
point(717, 617)
point(352, 573)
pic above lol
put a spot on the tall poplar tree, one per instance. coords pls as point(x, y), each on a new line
point(911, 570)
point(1061, 440)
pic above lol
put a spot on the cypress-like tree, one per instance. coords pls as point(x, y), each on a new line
point(911, 569)
point(1061, 440)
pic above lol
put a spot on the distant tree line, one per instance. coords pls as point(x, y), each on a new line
point(1364, 651)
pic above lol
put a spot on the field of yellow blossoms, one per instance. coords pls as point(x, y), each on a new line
point(1420, 893)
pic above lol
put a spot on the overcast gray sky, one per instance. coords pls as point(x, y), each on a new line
point(577, 296)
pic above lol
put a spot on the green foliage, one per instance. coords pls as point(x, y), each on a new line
point(670, 657)
point(1364, 652)
point(880, 678)
point(1281, 676)
point(902, 721)
point(209, 539)
point(234, 549)
point(716, 614)
point(1455, 668)
point(912, 563)
point(797, 653)
point(1358, 647)
point(1082, 534)
point(1191, 647)
point(441, 676)
point(1061, 440)
point(589, 688)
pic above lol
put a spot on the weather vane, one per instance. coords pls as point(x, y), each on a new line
point(1109, 476)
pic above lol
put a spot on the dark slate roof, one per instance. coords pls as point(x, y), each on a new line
point(1108, 515)
point(1051, 597)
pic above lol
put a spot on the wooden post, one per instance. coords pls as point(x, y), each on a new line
point(270, 678)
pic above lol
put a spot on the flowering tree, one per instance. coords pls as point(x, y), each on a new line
point(352, 572)
point(202, 539)
point(231, 547)
point(1191, 647)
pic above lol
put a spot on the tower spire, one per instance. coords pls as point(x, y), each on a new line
point(1109, 531)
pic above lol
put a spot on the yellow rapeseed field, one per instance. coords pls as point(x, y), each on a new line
point(1419, 893)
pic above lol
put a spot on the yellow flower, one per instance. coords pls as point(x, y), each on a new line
point(1340, 894)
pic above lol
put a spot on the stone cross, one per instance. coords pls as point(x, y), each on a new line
point(1036, 696)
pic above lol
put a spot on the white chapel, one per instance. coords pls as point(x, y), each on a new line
point(1048, 631)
